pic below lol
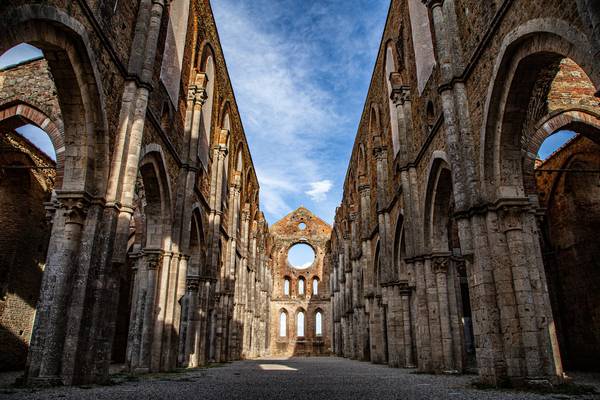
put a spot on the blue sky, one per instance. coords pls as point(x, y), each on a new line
point(300, 71)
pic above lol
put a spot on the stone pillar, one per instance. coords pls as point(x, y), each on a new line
point(140, 332)
point(440, 268)
point(49, 333)
point(407, 324)
point(190, 358)
point(423, 339)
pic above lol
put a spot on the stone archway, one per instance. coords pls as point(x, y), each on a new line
point(529, 89)
point(57, 349)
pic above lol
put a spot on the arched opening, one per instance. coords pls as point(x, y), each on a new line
point(286, 286)
point(208, 67)
point(390, 67)
point(568, 188)
point(27, 181)
point(301, 286)
point(318, 323)
point(300, 324)
point(74, 89)
point(30, 174)
point(430, 114)
point(152, 207)
point(315, 286)
point(282, 323)
point(422, 41)
point(542, 89)
point(448, 266)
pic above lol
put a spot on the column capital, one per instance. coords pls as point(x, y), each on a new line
point(197, 95)
point(364, 188)
point(74, 205)
point(380, 152)
point(400, 94)
point(440, 264)
point(193, 283)
point(153, 258)
point(511, 217)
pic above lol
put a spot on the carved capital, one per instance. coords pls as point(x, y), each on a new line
point(380, 152)
point(221, 150)
point(74, 208)
point(400, 95)
point(193, 283)
point(440, 264)
point(511, 218)
point(364, 189)
point(153, 260)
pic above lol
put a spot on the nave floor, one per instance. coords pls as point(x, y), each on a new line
point(329, 378)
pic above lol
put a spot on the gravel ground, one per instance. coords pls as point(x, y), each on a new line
point(328, 378)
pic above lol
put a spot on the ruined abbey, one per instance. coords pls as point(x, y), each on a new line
point(455, 248)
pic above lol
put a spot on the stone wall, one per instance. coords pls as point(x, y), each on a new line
point(443, 214)
point(300, 226)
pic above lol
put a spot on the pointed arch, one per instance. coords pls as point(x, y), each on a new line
point(300, 322)
point(206, 64)
point(438, 201)
point(157, 192)
point(523, 53)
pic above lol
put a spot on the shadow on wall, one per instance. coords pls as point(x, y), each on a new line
point(23, 245)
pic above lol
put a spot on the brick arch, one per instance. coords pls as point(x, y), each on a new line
point(584, 122)
point(523, 53)
point(41, 120)
point(68, 50)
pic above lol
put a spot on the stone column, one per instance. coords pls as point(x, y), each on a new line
point(48, 339)
point(440, 268)
point(190, 358)
point(407, 324)
point(140, 357)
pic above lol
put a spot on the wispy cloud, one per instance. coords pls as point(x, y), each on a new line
point(319, 190)
point(300, 71)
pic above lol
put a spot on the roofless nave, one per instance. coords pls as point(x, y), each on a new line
point(454, 248)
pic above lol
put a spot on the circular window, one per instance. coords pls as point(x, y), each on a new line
point(302, 226)
point(301, 256)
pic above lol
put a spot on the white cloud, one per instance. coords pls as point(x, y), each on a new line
point(319, 190)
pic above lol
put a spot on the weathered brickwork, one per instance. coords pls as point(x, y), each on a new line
point(23, 241)
point(571, 200)
point(300, 226)
point(435, 251)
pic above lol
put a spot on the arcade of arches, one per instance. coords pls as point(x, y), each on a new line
point(459, 244)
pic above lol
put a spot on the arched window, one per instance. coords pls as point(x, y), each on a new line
point(301, 286)
point(422, 41)
point(207, 108)
point(286, 287)
point(390, 66)
point(300, 324)
point(170, 72)
point(315, 286)
point(319, 323)
point(283, 324)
